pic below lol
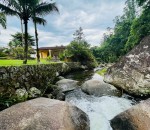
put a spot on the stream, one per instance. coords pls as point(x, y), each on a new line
point(99, 109)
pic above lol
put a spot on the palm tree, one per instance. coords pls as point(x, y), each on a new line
point(25, 9)
point(2, 20)
point(41, 9)
point(22, 9)
point(37, 20)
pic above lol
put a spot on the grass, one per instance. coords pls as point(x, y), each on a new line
point(20, 62)
point(102, 71)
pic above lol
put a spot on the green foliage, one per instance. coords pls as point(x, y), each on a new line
point(102, 71)
point(16, 47)
point(2, 54)
point(17, 40)
point(6, 102)
point(2, 20)
point(49, 58)
point(18, 52)
point(62, 56)
point(79, 52)
point(142, 2)
point(129, 30)
point(139, 29)
point(113, 46)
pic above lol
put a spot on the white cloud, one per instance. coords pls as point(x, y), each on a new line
point(94, 36)
point(93, 16)
point(5, 35)
point(49, 38)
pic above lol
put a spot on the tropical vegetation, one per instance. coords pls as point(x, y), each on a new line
point(25, 10)
point(129, 30)
point(16, 47)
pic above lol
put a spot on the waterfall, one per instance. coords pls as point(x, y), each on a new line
point(99, 109)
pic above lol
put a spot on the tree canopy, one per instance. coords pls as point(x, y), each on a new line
point(129, 30)
point(79, 50)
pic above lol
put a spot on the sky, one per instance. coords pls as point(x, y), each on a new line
point(94, 16)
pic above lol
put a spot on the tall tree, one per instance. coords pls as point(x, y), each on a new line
point(39, 20)
point(114, 43)
point(16, 46)
point(78, 35)
point(140, 27)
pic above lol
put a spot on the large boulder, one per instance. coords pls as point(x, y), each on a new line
point(132, 72)
point(99, 88)
point(136, 118)
point(66, 85)
point(43, 114)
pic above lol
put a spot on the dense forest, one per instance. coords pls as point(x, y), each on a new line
point(129, 30)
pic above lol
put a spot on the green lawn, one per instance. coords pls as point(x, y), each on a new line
point(20, 62)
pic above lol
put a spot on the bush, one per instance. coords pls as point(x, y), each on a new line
point(49, 58)
point(80, 52)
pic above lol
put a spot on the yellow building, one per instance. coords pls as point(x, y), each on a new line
point(51, 51)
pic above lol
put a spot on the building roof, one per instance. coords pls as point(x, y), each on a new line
point(52, 48)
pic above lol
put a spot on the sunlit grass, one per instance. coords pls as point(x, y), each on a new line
point(102, 71)
point(20, 62)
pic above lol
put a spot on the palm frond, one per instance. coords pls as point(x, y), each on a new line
point(45, 8)
point(7, 10)
point(3, 20)
point(39, 20)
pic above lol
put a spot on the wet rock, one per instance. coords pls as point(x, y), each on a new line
point(66, 85)
point(132, 72)
point(136, 118)
point(61, 77)
point(43, 114)
point(60, 96)
point(99, 88)
point(65, 67)
point(34, 92)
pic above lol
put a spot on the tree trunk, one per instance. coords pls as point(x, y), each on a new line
point(36, 39)
point(26, 42)
point(22, 33)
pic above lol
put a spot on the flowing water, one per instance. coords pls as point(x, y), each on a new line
point(99, 109)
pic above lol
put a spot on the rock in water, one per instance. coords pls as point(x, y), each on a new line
point(43, 114)
point(136, 118)
point(66, 85)
point(132, 72)
point(99, 88)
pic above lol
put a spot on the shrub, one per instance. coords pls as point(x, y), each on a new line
point(80, 52)
point(49, 58)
